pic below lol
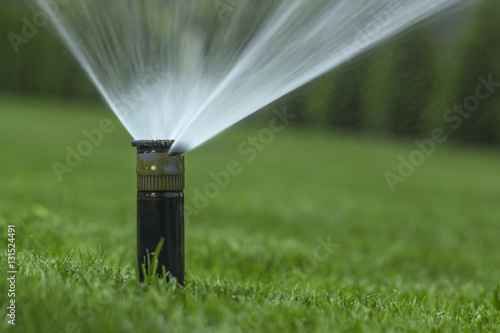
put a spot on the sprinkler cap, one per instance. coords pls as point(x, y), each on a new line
point(163, 145)
point(156, 170)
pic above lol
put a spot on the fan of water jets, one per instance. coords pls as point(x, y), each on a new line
point(187, 70)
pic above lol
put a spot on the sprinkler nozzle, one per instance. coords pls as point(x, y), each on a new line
point(160, 207)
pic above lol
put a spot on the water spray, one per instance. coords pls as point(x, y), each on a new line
point(160, 208)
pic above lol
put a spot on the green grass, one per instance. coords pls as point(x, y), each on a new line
point(423, 259)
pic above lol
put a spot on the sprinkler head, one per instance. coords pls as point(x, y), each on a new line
point(156, 170)
point(160, 208)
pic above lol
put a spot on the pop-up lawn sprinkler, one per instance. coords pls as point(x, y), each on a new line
point(160, 207)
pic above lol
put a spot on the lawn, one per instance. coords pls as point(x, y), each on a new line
point(307, 238)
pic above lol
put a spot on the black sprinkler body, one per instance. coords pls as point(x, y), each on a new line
point(160, 207)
